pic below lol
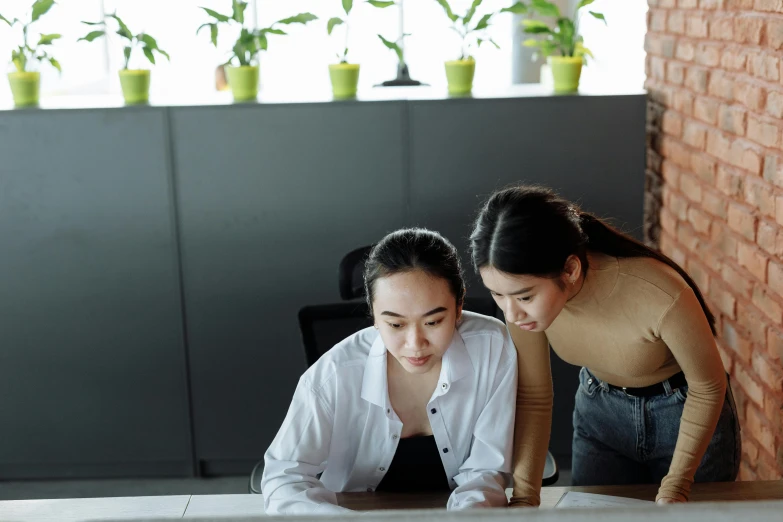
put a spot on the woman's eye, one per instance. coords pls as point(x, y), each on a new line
point(434, 323)
point(525, 299)
point(395, 325)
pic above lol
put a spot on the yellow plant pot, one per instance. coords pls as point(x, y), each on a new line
point(243, 81)
point(135, 85)
point(345, 78)
point(459, 74)
point(566, 71)
point(25, 87)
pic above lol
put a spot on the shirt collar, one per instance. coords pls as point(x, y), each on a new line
point(456, 365)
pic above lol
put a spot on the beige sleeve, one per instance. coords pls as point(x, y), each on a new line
point(685, 330)
point(533, 421)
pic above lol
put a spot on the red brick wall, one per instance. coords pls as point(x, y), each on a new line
point(715, 183)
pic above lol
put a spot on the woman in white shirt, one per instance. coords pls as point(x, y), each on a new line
point(419, 402)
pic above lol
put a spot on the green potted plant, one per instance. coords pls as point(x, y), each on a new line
point(26, 84)
point(242, 66)
point(562, 45)
point(135, 83)
point(460, 72)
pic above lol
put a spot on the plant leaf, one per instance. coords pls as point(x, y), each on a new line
point(566, 33)
point(381, 3)
point(483, 23)
point(347, 6)
point(239, 11)
point(599, 16)
point(148, 41)
point(127, 52)
point(518, 8)
point(581, 50)
point(493, 42)
point(472, 11)
point(446, 7)
point(4, 19)
point(123, 31)
point(272, 31)
point(545, 8)
point(47, 39)
point(40, 8)
point(55, 64)
point(94, 23)
point(213, 33)
point(536, 27)
point(92, 36)
point(332, 23)
point(148, 54)
point(217, 16)
point(301, 18)
point(584, 3)
point(393, 46)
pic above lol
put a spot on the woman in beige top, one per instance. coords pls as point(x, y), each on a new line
point(653, 405)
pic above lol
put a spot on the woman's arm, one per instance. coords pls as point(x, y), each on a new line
point(685, 330)
point(533, 422)
point(484, 475)
point(296, 457)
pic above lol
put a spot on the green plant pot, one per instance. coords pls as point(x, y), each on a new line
point(243, 81)
point(135, 85)
point(345, 78)
point(566, 71)
point(459, 74)
point(25, 87)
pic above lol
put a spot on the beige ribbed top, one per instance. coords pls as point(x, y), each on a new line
point(634, 323)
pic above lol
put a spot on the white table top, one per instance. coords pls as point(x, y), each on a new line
point(72, 509)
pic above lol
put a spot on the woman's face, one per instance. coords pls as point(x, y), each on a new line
point(416, 315)
point(532, 302)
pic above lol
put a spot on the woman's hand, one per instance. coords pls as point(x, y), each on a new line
point(669, 501)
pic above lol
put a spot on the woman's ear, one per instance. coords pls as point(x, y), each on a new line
point(572, 270)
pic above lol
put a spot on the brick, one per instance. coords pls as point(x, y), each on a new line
point(721, 86)
point(764, 66)
point(706, 110)
point(732, 118)
point(752, 259)
point(775, 344)
point(775, 276)
point(682, 101)
point(711, 4)
point(656, 20)
point(775, 34)
point(701, 164)
point(779, 245)
point(749, 448)
point(721, 28)
point(670, 173)
point(708, 54)
point(676, 22)
point(742, 220)
point(676, 151)
point(698, 273)
point(759, 194)
point(735, 59)
point(740, 155)
point(668, 222)
point(775, 104)
point(775, 6)
point(760, 431)
point(779, 210)
point(767, 305)
point(729, 182)
point(769, 373)
point(741, 346)
point(688, 4)
point(762, 132)
point(739, 284)
point(750, 387)
point(754, 324)
point(726, 358)
point(675, 73)
point(724, 242)
point(718, 145)
point(772, 173)
point(678, 206)
point(687, 238)
point(672, 124)
point(691, 187)
point(766, 238)
point(746, 474)
point(701, 222)
point(686, 51)
point(696, 79)
point(696, 26)
point(739, 5)
point(748, 29)
point(657, 67)
point(750, 95)
point(716, 205)
point(724, 301)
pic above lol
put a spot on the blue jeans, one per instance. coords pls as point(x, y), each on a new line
point(620, 439)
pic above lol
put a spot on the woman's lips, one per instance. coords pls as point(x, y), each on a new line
point(526, 326)
point(418, 361)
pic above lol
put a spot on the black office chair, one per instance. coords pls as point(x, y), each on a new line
point(323, 326)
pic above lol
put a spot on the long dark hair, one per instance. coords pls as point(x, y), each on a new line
point(411, 249)
point(531, 230)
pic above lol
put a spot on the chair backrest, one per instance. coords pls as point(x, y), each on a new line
point(350, 274)
point(323, 326)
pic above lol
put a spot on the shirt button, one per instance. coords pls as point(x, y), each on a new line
point(445, 386)
point(394, 436)
point(445, 450)
point(589, 381)
point(382, 469)
point(388, 411)
point(433, 411)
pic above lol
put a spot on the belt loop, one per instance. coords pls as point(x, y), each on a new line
point(667, 387)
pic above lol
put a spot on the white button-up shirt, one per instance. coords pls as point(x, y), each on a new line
point(341, 422)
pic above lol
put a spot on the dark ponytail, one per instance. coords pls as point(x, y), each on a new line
point(531, 230)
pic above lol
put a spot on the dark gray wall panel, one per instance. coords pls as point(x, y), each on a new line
point(590, 149)
point(92, 372)
point(270, 199)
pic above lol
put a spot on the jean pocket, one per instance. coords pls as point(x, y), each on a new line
point(681, 393)
point(587, 383)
